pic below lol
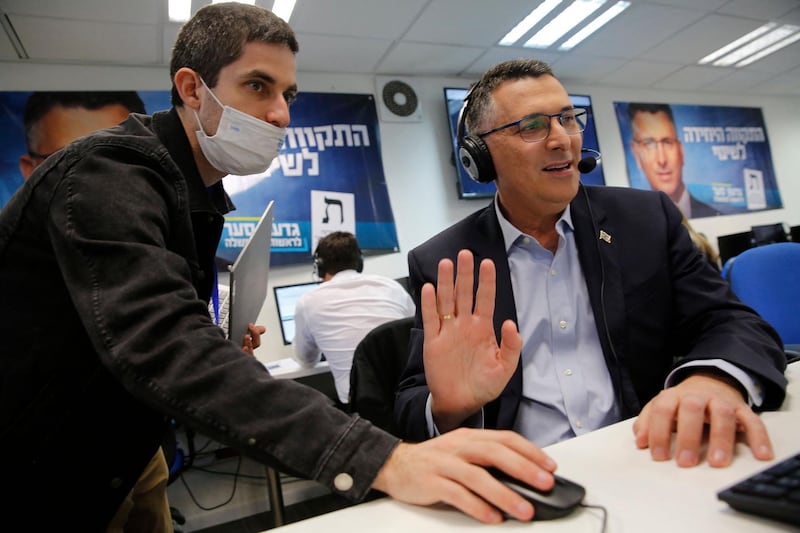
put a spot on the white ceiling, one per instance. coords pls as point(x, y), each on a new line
point(654, 43)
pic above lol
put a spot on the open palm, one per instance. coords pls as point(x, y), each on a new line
point(464, 366)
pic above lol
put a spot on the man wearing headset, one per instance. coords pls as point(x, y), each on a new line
point(334, 317)
point(592, 305)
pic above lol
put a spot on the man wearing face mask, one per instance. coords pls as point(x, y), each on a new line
point(106, 269)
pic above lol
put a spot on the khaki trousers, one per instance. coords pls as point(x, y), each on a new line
point(146, 508)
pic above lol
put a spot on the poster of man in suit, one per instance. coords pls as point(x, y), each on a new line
point(710, 160)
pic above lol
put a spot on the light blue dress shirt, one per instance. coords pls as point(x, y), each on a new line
point(566, 386)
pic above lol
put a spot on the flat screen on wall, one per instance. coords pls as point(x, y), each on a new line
point(469, 188)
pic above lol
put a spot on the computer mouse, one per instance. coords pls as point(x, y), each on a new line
point(559, 501)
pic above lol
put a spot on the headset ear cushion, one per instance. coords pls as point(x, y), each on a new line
point(319, 267)
point(360, 267)
point(476, 159)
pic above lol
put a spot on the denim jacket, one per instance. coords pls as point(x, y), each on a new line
point(106, 267)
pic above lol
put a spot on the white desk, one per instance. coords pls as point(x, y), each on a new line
point(641, 495)
point(288, 368)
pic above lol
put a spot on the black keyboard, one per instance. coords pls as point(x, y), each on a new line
point(772, 493)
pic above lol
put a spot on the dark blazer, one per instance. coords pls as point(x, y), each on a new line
point(700, 209)
point(655, 298)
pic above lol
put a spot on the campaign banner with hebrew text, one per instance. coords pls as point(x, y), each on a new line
point(720, 153)
point(328, 176)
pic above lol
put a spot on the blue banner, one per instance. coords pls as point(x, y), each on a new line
point(721, 155)
point(328, 176)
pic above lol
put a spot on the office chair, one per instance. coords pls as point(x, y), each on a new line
point(767, 278)
point(378, 361)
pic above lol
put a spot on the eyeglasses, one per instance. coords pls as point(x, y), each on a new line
point(649, 144)
point(536, 127)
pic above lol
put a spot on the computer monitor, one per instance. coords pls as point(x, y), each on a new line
point(286, 297)
point(769, 233)
point(734, 244)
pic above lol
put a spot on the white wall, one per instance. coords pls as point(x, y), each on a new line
point(416, 156)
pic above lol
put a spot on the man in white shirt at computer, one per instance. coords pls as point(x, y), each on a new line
point(333, 318)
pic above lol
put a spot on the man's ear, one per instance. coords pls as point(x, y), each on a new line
point(186, 83)
point(26, 166)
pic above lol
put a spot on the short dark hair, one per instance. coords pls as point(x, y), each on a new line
point(41, 102)
point(215, 37)
point(338, 251)
point(480, 98)
point(638, 107)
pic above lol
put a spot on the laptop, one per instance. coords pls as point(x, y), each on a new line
point(286, 297)
point(240, 302)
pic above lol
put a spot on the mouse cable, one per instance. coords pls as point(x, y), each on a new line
point(603, 510)
point(236, 476)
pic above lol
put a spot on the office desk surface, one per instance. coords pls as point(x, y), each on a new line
point(640, 495)
point(288, 368)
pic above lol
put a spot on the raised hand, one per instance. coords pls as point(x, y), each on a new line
point(464, 367)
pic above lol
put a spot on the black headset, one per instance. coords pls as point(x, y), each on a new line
point(319, 265)
point(472, 150)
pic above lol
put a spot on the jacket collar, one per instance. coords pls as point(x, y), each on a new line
point(169, 129)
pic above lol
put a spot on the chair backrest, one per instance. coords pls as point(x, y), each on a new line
point(767, 278)
point(378, 361)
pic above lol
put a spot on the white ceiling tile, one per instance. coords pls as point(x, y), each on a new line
point(758, 9)
point(141, 11)
point(638, 73)
point(792, 17)
point(738, 80)
point(381, 19)
point(781, 61)
point(7, 51)
point(430, 59)
point(584, 69)
point(353, 55)
point(498, 54)
point(705, 5)
point(701, 38)
point(466, 22)
point(691, 78)
point(785, 84)
point(635, 30)
point(74, 40)
point(170, 35)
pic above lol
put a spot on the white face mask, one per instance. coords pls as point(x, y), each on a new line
point(243, 144)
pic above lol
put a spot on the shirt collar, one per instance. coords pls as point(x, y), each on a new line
point(685, 203)
point(169, 129)
point(345, 274)
point(511, 233)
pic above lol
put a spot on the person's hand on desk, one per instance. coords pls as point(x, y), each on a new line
point(252, 339)
point(451, 469)
point(702, 403)
point(464, 367)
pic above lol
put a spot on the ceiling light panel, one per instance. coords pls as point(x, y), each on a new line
point(573, 15)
